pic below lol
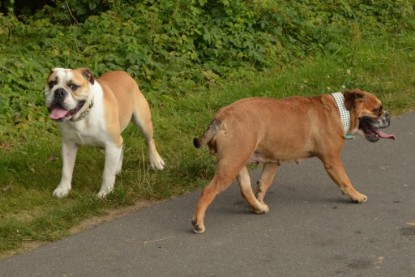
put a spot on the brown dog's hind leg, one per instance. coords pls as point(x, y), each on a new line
point(217, 185)
point(248, 194)
point(335, 169)
point(265, 180)
point(227, 169)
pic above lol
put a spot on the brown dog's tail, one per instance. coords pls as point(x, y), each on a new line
point(208, 135)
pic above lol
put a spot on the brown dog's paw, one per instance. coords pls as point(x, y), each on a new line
point(197, 229)
point(358, 198)
point(263, 209)
point(361, 199)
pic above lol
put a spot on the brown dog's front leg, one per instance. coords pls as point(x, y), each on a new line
point(335, 169)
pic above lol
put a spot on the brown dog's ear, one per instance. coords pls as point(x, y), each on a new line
point(350, 97)
point(88, 75)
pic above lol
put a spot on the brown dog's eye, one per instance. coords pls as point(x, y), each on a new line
point(73, 87)
point(378, 111)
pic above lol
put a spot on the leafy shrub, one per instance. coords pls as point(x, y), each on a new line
point(174, 47)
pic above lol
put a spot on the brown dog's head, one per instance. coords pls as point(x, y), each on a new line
point(367, 115)
point(67, 91)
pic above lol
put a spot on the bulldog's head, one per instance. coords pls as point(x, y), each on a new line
point(367, 115)
point(67, 92)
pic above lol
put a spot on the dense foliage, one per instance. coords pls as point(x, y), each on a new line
point(173, 47)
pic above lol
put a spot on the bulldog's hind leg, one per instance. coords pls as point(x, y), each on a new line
point(113, 162)
point(226, 172)
point(142, 119)
point(248, 194)
point(265, 180)
point(335, 169)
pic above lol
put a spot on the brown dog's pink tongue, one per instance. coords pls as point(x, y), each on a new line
point(384, 135)
point(58, 113)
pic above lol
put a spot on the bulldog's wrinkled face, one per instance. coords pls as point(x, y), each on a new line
point(367, 115)
point(66, 92)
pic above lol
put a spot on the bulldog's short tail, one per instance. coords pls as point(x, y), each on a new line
point(208, 135)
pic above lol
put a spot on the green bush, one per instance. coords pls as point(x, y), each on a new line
point(174, 47)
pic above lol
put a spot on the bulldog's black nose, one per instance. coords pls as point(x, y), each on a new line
point(60, 93)
point(386, 121)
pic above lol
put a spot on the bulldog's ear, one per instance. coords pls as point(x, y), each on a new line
point(50, 73)
point(350, 98)
point(88, 75)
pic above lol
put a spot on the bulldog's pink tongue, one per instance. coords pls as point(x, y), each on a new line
point(58, 113)
point(384, 135)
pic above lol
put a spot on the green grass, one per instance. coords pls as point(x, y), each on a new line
point(30, 163)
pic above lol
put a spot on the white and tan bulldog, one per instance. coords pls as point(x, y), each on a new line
point(94, 112)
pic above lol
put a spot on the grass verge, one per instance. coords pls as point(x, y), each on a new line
point(30, 163)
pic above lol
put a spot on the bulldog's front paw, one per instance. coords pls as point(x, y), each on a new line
point(360, 198)
point(61, 192)
point(356, 197)
point(157, 163)
point(104, 192)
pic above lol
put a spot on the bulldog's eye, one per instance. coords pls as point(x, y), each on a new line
point(378, 111)
point(51, 84)
point(73, 87)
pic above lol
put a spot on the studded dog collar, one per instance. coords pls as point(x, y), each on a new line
point(85, 112)
point(344, 113)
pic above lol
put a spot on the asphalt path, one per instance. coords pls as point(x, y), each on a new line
point(311, 230)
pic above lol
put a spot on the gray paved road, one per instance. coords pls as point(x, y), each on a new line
point(311, 230)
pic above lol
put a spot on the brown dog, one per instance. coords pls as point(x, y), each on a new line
point(271, 131)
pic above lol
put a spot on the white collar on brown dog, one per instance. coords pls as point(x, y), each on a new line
point(344, 113)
